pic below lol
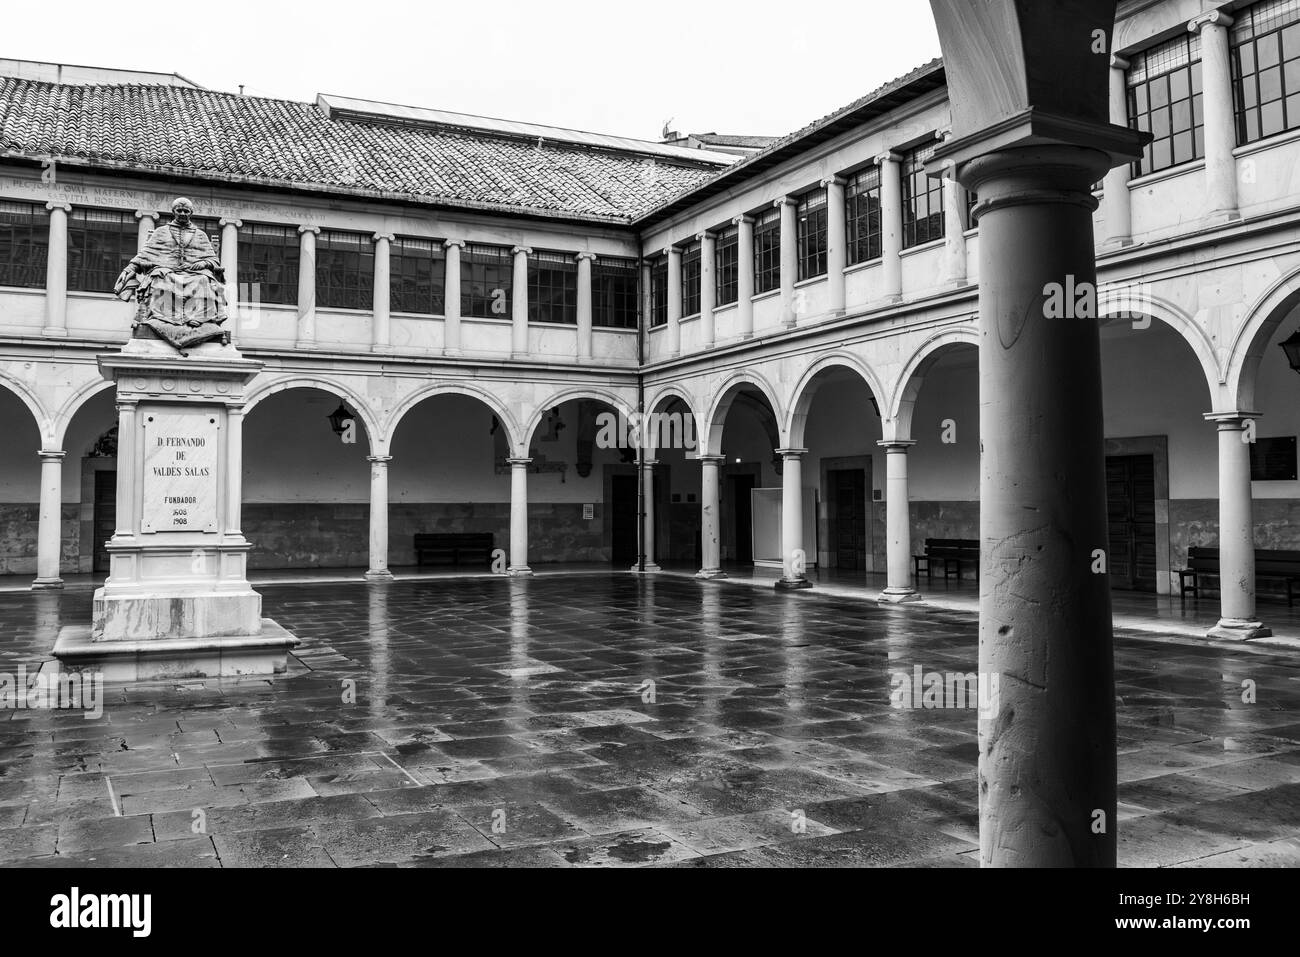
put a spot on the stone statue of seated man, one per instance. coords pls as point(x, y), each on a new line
point(178, 284)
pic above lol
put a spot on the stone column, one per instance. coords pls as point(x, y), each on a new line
point(451, 298)
point(836, 244)
point(745, 276)
point(519, 303)
point(584, 306)
point(49, 534)
point(230, 264)
point(1237, 617)
point(148, 223)
point(1220, 125)
point(674, 328)
point(647, 562)
point(789, 257)
point(710, 536)
point(891, 226)
point(56, 272)
point(383, 292)
point(126, 484)
point(898, 524)
point(518, 558)
point(708, 288)
point(379, 518)
point(954, 230)
point(793, 559)
point(1118, 209)
point(307, 286)
point(234, 474)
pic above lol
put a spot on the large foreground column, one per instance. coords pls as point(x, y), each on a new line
point(710, 537)
point(518, 557)
point(1236, 532)
point(379, 518)
point(794, 561)
point(48, 533)
point(898, 525)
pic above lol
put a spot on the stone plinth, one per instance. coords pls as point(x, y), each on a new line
point(177, 602)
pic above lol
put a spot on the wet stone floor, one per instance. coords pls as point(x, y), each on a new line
point(606, 720)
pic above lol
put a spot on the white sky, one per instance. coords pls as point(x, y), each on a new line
point(611, 67)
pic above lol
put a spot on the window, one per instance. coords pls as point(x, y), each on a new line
point(922, 200)
point(100, 244)
point(862, 215)
point(691, 279)
point(345, 270)
point(1164, 98)
point(726, 256)
point(971, 199)
point(417, 271)
point(767, 251)
point(659, 291)
point(613, 293)
point(268, 263)
point(552, 287)
point(1266, 69)
point(811, 234)
point(486, 281)
point(24, 244)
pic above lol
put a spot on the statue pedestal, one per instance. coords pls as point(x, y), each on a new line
point(177, 602)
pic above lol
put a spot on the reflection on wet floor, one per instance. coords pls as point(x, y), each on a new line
point(608, 720)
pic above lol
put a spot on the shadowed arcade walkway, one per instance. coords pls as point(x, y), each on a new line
point(513, 722)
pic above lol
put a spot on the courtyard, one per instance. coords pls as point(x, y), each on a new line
point(606, 719)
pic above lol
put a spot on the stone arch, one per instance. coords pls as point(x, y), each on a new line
point(1119, 300)
point(503, 414)
point(78, 400)
point(808, 384)
point(908, 387)
point(611, 399)
point(1247, 348)
point(726, 394)
point(44, 424)
point(261, 390)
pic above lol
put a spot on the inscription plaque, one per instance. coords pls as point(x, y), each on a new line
point(181, 481)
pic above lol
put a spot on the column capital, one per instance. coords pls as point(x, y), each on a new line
point(227, 221)
point(1214, 18)
point(710, 459)
point(519, 462)
point(458, 243)
point(379, 459)
point(671, 251)
point(314, 230)
point(385, 236)
point(525, 250)
point(52, 206)
point(1234, 419)
point(889, 156)
point(142, 213)
point(791, 453)
point(896, 445)
point(590, 257)
point(835, 180)
point(51, 455)
point(707, 236)
point(1118, 62)
point(743, 219)
point(784, 201)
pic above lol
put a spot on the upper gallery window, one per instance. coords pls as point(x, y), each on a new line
point(100, 244)
point(417, 270)
point(24, 244)
point(345, 270)
point(726, 257)
point(862, 215)
point(552, 287)
point(1164, 99)
point(922, 199)
point(614, 292)
point(659, 291)
point(767, 251)
point(486, 281)
point(811, 239)
point(268, 263)
point(691, 279)
point(1266, 69)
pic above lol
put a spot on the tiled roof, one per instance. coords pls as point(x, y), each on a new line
point(225, 136)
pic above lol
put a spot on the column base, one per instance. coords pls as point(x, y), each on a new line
point(55, 331)
point(42, 583)
point(381, 348)
point(791, 584)
point(898, 596)
point(379, 575)
point(519, 571)
point(649, 568)
point(710, 574)
point(1221, 217)
point(451, 351)
point(1117, 242)
point(1239, 629)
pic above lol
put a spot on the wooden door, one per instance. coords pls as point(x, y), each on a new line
point(1131, 512)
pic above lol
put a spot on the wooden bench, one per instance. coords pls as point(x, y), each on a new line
point(1271, 564)
point(453, 548)
point(952, 553)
